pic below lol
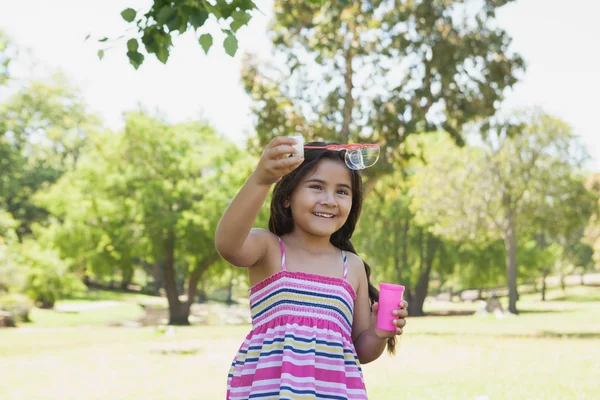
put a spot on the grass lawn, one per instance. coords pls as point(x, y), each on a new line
point(551, 351)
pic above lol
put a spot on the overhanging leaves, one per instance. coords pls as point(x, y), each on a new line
point(206, 42)
point(179, 16)
point(128, 14)
point(230, 44)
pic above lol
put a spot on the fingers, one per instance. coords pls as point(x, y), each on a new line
point(281, 140)
point(400, 316)
point(400, 313)
point(400, 323)
point(287, 164)
point(281, 150)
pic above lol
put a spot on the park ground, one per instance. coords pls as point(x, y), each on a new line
point(88, 348)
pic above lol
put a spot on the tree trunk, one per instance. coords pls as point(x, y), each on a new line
point(412, 294)
point(126, 277)
point(229, 300)
point(398, 257)
point(544, 275)
point(563, 284)
point(510, 243)
point(405, 242)
point(420, 293)
point(178, 312)
point(348, 99)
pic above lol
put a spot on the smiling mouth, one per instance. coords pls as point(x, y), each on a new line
point(324, 215)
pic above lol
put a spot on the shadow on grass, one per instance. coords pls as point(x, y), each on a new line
point(578, 298)
point(548, 311)
point(460, 313)
point(447, 313)
point(511, 335)
point(569, 335)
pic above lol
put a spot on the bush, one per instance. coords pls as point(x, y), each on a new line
point(12, 276)
point(48, 277)
point(18, 305)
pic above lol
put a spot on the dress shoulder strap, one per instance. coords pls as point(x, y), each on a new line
point(345, 264)
point(282, 247)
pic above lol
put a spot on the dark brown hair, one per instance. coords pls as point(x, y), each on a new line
point(281, 222)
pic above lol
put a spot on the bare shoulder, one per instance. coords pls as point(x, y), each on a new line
point(354, 261)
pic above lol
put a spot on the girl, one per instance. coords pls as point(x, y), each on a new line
point(314, 311)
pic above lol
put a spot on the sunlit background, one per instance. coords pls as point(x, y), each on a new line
point(106, 171)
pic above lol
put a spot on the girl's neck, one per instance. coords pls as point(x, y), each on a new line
point(310, 243)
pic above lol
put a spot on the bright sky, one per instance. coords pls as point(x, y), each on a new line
point(556, 37)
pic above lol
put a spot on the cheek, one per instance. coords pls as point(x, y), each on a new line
point(300, 200)
point(345, 205)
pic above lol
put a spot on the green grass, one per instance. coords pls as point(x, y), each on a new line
point(551, 351)
point(52, 318)
point(71, 312)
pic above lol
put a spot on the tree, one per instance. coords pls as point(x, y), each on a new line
point(380, 70)
point(405, 249)
point(154, 193)
point(43, 127)
point(563, 226)
point(592, 230)
point(402, 250)
point(485, 193)
point(182, 176)
point(539, 258)
point(101, 235)
point(11, 276)
point(8, 52)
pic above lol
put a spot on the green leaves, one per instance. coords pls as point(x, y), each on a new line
point(165, 13)
point(128, 14)
point(136, 59)
point(240, 18)
point(230, 43)
point(156, 26)
point(101, 54)
point(132, 45)
point(206, 42)
point(215, 10)
point(198, 18)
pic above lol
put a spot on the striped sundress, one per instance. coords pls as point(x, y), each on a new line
point(300, 345)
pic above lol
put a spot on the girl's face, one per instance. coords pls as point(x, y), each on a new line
point(322, 201)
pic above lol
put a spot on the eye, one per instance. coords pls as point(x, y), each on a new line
point(344, 192)
point(318, 187)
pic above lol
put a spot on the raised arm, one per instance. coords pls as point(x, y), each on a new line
point(235, 239)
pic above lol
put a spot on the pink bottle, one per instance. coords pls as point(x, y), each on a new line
point(390, 296)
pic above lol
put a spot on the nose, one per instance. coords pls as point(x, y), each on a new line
point(328, 199)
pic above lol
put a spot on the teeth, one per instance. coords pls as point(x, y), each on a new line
point(324, 215)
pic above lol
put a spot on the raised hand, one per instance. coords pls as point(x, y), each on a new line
point(276, 162)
